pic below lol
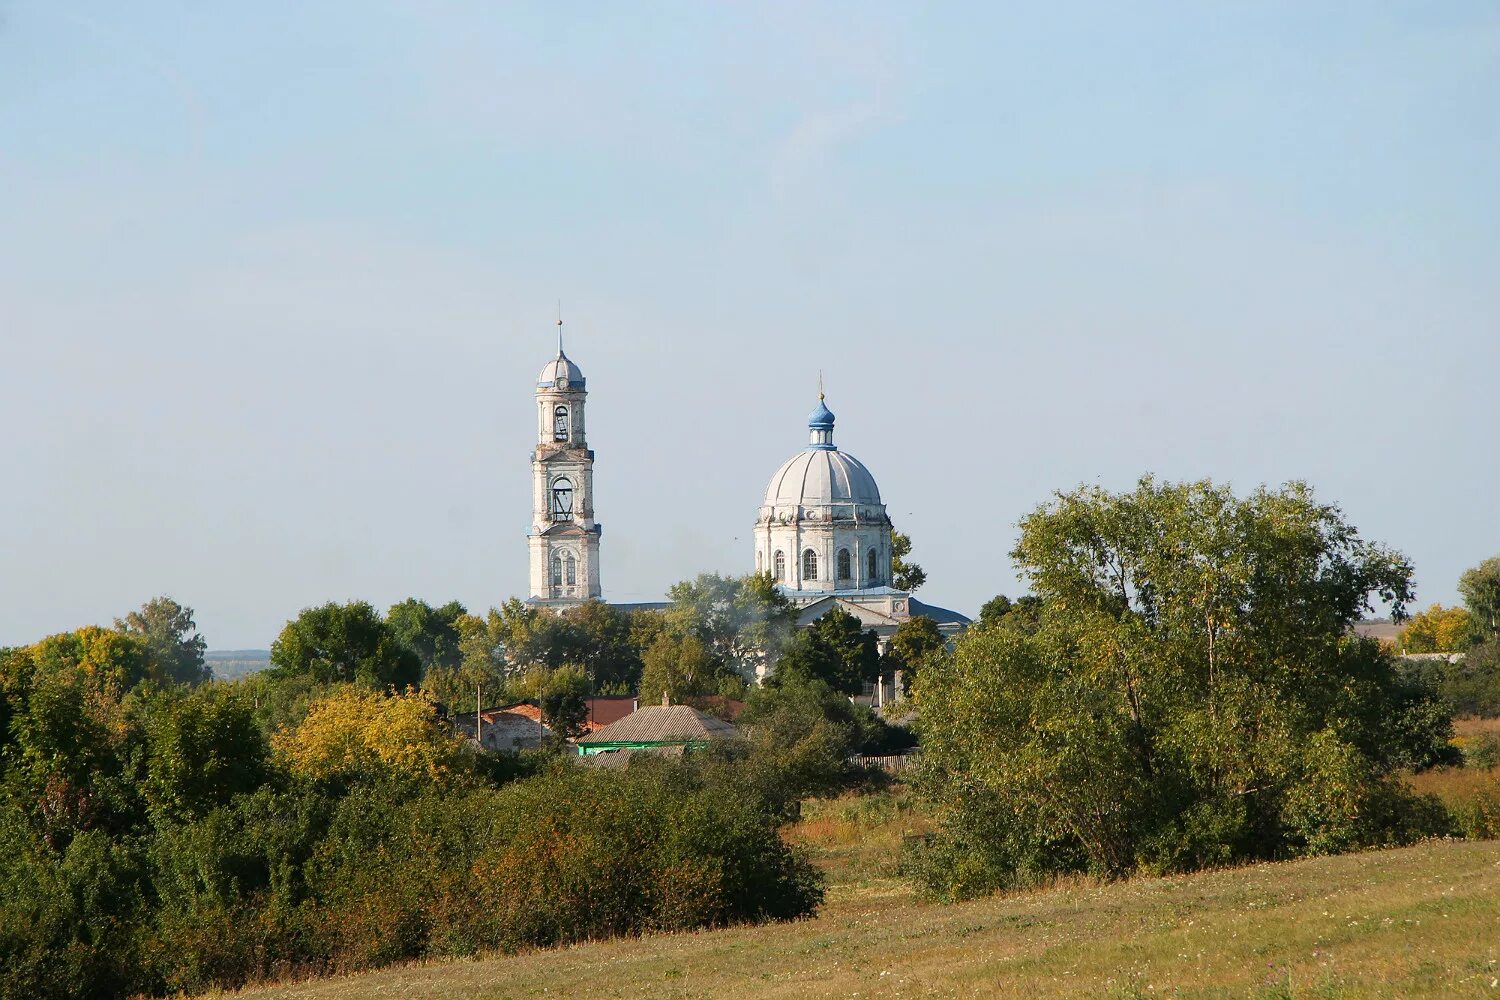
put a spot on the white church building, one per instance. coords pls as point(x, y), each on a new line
point(822, 530)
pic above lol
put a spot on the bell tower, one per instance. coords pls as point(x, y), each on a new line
point(564, 537)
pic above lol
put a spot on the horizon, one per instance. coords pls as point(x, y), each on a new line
point(277, 288)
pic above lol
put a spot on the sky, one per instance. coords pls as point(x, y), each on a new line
point(276, 280)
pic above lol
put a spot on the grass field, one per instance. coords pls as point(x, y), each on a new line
point(1418, 922)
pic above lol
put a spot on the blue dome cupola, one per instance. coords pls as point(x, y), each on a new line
point(820, 427)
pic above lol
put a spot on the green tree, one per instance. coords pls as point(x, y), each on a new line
point(836, 650)
point(430, 633)
point(175, 648)
point(562, 694)
point(1000, 608)
point(602, 640)
point(915, 643)
point(200, 750)
point(742, 622)
point(1192, 692)
point(344, 642)
point(678, 668)
point(1480, 588)
point(905, 575)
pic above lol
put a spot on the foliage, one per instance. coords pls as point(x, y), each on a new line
point(562, 694)
point(1470, 685)
point(1480, 588)
point(1027, 608)
point(430, 633)
point(677, 668)
point(344, 642)
point(1191, 696)
point(497, 650)
point(355, 733)
point(915, 643)
point(174, 647)
point(905, 574)
point(835, 649)
point(156, 840)
point(1436, 630)
point(742, 622)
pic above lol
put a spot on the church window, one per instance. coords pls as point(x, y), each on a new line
point(758, 567)
point(560, 424)
point(562, 500)
point(571, 566)
point(874, 567)
point(557, 571)
point(845, 569)
point(809, 565)
point(781, 565)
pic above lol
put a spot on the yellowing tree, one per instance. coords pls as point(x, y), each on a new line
point(1436, 630)
point(354, 732)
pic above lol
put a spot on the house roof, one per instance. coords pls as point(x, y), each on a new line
point(942, 616)
point(605, 709)
point(663, 724)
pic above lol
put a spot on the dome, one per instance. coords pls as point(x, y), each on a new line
point(819, 477)
point(559, 369)
point(821, 418)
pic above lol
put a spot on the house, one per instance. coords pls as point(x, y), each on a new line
point(508, 728)
point(658, 729)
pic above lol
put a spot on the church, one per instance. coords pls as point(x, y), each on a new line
point(822, 530)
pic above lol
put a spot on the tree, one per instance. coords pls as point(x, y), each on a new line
point(836, 650)
point(430, 633)
point(601, 639)
point(562, 694)
point(344, 642)
point(353, 733)
point(679, 668)
point(916, 642)
point(742, 622)
point(1436, 630)
point(1480, 588)
point(1000, 608)
point(905, 575)
point(1193, 694)
point(175, 648)
point(200, 750)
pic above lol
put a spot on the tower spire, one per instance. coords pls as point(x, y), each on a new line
point(820, 383)
point(559, 327)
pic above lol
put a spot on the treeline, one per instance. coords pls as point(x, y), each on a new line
point(1182, 689)
point(159, 834)
point(715, 638)
point(1471, 681)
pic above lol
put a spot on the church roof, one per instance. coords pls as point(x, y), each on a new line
point(817, 477)
point(558, 370)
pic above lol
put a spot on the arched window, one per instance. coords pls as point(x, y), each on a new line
point(758, 566)
point(571, 565)
point(809, 564)
point(562, 499)
point(845, 569)
point(560, 424)
point(557, 571)
point(780, 565)
point(874, 568)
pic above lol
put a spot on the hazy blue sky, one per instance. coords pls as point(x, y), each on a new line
point(276, 279)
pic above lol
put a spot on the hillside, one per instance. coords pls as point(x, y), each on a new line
point(1416, 922)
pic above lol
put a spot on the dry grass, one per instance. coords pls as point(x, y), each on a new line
point(1472, 728)
point(1455, 785)
point(1417, 922)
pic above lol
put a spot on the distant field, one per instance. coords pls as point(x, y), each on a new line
point(228, 664)
point(1417, 922)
